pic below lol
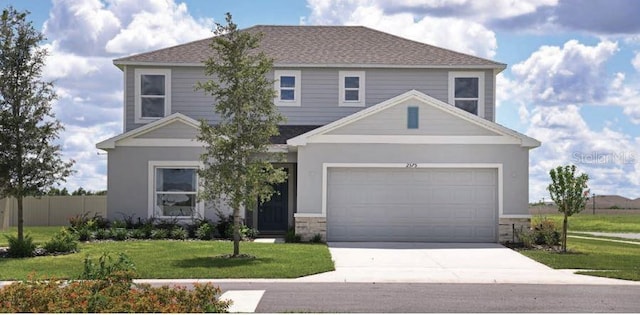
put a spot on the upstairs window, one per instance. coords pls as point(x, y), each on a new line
point(152, 94)
point(287, 86)
point(351, 88)
point(466, 91)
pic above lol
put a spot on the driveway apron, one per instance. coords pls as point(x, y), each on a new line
point(442, 263)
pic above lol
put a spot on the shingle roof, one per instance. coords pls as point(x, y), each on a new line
point(325, 45)
point(289, 131)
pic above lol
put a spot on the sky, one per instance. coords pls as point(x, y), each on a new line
point(572, 82)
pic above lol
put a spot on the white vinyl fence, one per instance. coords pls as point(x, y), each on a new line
point(50, 210)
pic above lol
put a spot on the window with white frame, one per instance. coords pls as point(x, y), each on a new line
point(466, 91)
point(152, 94)
point(174, 189)
point(351, 88)
point(287, 85)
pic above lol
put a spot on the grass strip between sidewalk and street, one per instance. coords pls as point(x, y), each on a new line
point(597, 257)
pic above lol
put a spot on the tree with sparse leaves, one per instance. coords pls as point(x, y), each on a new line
point(569, 192)
point(29, 163)
point(236, 161)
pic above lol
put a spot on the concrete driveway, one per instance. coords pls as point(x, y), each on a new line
point(442, 263)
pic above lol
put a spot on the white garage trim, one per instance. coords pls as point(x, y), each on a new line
point(498, 166)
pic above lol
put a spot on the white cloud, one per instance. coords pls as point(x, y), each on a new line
point(169, 23)
point(636, 61)
point(457, 34)
point(84, 36)
point(570, 74)
point(611, 158)
point(480, 10)
point(626, 95)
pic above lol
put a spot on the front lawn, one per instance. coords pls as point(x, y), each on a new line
point(597, 257)
point(40, 234)
point(585, 222)
point(183, 260)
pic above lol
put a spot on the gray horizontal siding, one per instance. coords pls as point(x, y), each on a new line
point(176, 130)
point(319, 92)
point(431, 121)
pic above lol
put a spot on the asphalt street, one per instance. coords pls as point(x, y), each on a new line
point(441, 298)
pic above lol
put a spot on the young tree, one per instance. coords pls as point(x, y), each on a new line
point(29, 163)
point(236, 161)
point(569, 192)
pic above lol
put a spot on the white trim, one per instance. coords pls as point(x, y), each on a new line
point(297, 74)
point(414, 95)
point(111, 142)
point(138, 119)
point(124, 99)
point(515, 216)
point(361, 89)
point(413, 139)
point(326, 166)
point(468, 74)
point(151, 192)
point(308, 215)
point(157, 142)
point(500, 67)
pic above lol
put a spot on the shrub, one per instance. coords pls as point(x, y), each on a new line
point(104, 297)
point(108, 268)
point(543, 231)
point(79, 220)
point(139, 234)
point(224, 226)
point(84, 234)
point(178, 233)
point(118, 224)
point(205, 232)
point(62, 242)
point(317, 238)
point(167, 224)
point(119, 234)
point(103, 234)
point(20, 248)
point(100, 222)
point(292, 237)
point(159, 234)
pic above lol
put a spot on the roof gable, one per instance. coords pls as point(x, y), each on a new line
point(325, 46)
point(171, 124)
point(476, 129)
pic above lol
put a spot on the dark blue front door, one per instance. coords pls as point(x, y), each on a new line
point(273, 215)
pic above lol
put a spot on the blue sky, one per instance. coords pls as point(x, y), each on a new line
point(573, 79)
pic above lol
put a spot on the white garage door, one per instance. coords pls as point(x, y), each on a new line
point(412, 204)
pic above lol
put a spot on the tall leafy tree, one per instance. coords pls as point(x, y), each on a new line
point(29, 162)
point(236, 165)
point(569, 192)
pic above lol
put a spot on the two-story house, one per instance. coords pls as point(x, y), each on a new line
point(387, 139)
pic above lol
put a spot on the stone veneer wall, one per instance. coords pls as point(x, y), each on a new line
point(507, 227)
point(307, 227)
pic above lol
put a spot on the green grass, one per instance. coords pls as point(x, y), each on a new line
point(40, 234)
point(183, 260)
point(615, 223)
point(597, 257)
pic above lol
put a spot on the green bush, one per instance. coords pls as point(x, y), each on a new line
point(20, 248)
point(119, 234)
point(317, 238)
point(159, 234)
point(62, 242)
point(108, 268)
point(84, 234)
point(103, 234)
point(205, 232)
point(178, 233)
point(543, 231)
point(139, 234)
point(292, 237)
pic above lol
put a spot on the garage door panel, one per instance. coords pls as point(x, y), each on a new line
point(438, 205)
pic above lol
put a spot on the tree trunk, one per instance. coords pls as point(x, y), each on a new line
point(20, 219)
point(564, 234)
point(236, 232)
